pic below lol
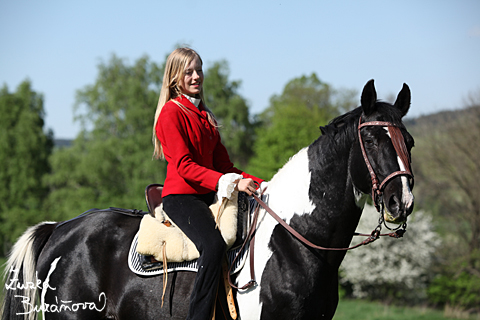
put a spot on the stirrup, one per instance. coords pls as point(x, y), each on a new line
point(149, 263)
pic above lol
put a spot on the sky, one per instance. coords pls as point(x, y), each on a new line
point(432, 45)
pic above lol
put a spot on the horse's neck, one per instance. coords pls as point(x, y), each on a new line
point(314, 176)
point(289, 195)
point(315, 190)
point(288, 191)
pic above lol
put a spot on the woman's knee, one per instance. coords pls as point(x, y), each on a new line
point(214, 245)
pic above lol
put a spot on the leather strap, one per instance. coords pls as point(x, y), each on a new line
point(249, 239)
point(400, 148)
point(370, 238)
point(374, 236)
point(228, 290)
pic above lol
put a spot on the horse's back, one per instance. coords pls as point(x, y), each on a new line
point(91, 278)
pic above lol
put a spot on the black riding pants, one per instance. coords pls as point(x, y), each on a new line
point(191, 213)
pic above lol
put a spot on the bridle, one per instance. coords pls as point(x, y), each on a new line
point(377, 197)
point(401, 150)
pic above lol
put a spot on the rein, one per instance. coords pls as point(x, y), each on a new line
point(398, 233)
point(377, 195)
point(371, 237)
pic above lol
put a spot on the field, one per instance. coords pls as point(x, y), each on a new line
point(364, 310)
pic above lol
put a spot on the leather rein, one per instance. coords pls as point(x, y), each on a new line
point(377, 195)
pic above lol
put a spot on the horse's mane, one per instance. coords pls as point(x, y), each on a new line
point(345, 126)
point(344, 123)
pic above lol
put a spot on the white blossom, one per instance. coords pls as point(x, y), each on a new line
point(389, 267)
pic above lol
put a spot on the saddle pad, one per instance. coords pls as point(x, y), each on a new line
point(135, 262)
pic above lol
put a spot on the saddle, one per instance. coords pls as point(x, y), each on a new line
point(159, 239)
point(237, 208)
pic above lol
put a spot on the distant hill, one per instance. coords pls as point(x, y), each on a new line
point(62, 143)
point(441, 118)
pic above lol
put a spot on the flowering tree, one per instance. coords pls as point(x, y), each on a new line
point(390, 268)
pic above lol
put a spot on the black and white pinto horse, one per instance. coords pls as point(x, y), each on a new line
point(79, 268)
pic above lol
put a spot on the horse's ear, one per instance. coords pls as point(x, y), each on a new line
point(403, 100)
point(369, 98)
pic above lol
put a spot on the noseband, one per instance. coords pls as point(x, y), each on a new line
point(401, 150)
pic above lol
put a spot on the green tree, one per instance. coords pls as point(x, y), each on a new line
point(231, 111)
point(292, 121)
point(448, 175)
point(110, 162)
point(24, 151)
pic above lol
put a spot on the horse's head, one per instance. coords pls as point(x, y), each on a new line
point(381, 159)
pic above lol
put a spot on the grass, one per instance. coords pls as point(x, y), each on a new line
point(364, 310)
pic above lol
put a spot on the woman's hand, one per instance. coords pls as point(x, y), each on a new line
point(247, 185)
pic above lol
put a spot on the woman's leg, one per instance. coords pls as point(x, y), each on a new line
point(193, 216)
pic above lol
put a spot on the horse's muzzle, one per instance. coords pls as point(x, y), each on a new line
point(397, 210)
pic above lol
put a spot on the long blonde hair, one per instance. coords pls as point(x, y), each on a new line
point(175, 67)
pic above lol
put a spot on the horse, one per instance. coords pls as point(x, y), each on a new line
point(78, 269)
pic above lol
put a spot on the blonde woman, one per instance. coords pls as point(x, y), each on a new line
point(186, 135)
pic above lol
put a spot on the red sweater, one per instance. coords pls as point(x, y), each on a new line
point(193, 149)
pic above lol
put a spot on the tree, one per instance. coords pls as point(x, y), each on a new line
point(110, 162)
point(292, 121)
point(232, 112)
point(24, 151)
point(392, 269)
point(447, 165)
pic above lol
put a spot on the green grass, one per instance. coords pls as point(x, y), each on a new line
point(364, 310)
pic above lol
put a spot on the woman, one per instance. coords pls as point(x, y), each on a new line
point(186, 136)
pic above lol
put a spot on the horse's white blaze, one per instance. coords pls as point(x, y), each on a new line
point(407, 195)
point(287, 194)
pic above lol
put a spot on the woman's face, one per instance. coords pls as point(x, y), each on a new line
point(192, 82)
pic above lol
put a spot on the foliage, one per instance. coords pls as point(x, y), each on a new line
point(231, 110)
point(24, 151)
point(292, 121)
point(449, 177)
point(395, 270)
point(110, 162)
point(460, 289)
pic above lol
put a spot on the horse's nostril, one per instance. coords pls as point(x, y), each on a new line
point(393, 204)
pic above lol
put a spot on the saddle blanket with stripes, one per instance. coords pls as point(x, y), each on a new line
point(135, 261)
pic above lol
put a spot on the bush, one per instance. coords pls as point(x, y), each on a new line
point(392, 269)
point(461, 290)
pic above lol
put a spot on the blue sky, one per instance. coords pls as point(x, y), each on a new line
point(433, 46)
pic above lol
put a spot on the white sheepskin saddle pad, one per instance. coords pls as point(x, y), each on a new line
point(157, 239)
